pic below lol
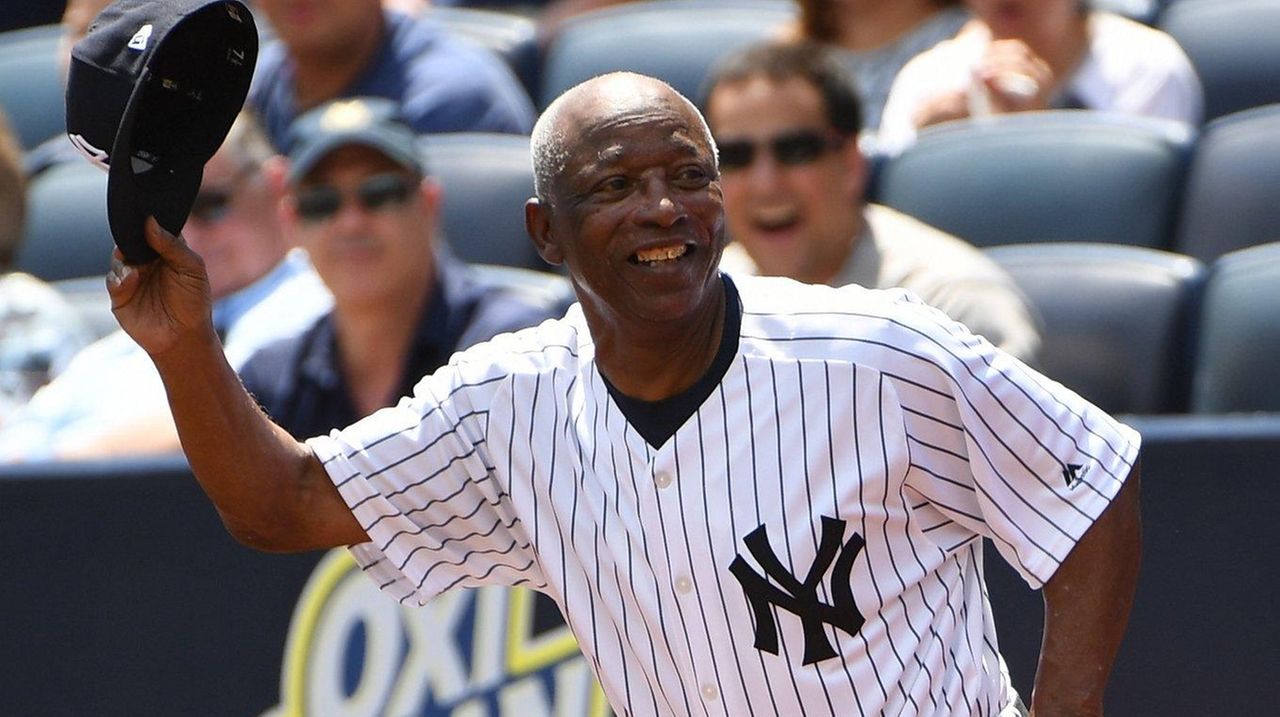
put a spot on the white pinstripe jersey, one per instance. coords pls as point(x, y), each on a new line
point(862, 413)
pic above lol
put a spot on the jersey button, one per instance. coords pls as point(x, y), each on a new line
point(683, 585)
point(709, 692)
point(662, 480)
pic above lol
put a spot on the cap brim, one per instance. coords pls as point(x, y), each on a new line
point(370, 137)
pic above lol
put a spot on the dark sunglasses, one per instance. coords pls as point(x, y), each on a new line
point(321, 202)
point(790, 149)
point(212, 204)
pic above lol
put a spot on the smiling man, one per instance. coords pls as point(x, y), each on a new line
point(785, 117)
point(747, 496)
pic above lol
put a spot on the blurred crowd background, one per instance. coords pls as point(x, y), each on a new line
point(1119, 160)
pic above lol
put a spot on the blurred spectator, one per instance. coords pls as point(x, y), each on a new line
point(39, 330)
point(359, 203)
point(875, 38)
point(785, 119)
point(329, 49)
point(1019, 55)
point(110, 400)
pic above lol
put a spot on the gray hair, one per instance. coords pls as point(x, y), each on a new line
point(549, 143)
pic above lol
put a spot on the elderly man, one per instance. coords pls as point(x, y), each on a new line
point(746, 494)
point(359, 202)
point(330, 49)
point(110, 402)
point(785, 117)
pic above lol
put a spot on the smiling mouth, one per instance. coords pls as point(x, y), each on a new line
point(659, 256)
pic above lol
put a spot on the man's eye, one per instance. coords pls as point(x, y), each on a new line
point(692, 175)
point(612, 185)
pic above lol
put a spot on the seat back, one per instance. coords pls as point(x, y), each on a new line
point(1232, 196)
point(67, 235)
point(486, 180)
point(1233, 46)
point(1238, 346)
point(1114, 319)
point(674, 40)
point(1044, 176)
point(31, 87)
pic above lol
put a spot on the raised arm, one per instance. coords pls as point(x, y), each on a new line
point(1087, 604)
point(271, 492)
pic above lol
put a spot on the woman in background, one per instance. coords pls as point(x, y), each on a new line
point(875, 38)
point(1019, 55)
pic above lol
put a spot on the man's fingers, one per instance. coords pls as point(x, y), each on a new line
point(166, 245)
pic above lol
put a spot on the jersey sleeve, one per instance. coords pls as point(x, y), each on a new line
point(419, 479)
point(1001, 451)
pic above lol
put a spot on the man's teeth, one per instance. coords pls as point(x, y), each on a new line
point(665, 253)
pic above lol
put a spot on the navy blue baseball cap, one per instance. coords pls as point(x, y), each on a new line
point(372, 122)
point(152, 91)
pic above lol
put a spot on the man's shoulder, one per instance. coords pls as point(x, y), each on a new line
point(916, 247)
point(272, 368)
point(819, 321)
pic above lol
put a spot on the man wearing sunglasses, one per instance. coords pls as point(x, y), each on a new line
point(110, 401)
point(357, 199)
point(786, 120)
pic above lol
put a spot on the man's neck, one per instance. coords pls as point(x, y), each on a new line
point(373, 345)
point(658, 360)
point(880, 23)
point(323, 74)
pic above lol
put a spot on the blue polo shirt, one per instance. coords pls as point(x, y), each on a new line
point(299, 381)
point(443, 83)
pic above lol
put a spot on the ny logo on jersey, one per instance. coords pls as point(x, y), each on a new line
point(801, 598)
point(1073, 474)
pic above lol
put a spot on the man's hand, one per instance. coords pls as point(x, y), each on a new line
point(160, 303)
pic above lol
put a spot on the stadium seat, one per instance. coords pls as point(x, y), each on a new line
point(1237, 366)
point(31, 89)
point(510, 36)
point(1233, 45)
point(1044, 176)
point(1114, 319)
point(1144, 11)
point(1232, 197)
point(675, 40)
point(67, 235)
point(486, 180)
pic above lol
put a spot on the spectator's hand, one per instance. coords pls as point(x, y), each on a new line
point(1015, 78)
point(943, 108)
point(166, 301)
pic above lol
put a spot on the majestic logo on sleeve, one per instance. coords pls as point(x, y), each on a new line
point(1074, 473)
point(801, 598)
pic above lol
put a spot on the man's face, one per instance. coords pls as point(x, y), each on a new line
point(637, 213)
point(367, 223)
point(319, 26)
point(233, 225)
point(792, 187)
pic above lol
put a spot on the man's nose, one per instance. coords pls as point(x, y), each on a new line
point(659, 205)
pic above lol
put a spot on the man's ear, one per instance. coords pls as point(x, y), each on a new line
point(537, 221)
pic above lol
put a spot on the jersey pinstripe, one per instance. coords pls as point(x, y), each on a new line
point(862, 414)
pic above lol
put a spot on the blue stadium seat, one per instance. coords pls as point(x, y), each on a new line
point(1114, 319)
point(486, 180)
point(1237, 365)
point(1233, 45)
point(675, 40)
point(512, 37)
point(1045, 176)
point(1232, 197)
point(31, 88)
point(67, 235)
